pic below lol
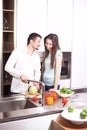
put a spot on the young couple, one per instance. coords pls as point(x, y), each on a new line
point(24, 64)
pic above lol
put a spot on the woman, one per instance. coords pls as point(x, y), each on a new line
point(51, 63)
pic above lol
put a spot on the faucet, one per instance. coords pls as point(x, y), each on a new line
point(43, 90)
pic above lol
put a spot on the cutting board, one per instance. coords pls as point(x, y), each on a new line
point(62, 124)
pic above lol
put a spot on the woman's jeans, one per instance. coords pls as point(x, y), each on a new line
point(49, 87)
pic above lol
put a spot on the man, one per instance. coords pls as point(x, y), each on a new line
point(24, 64)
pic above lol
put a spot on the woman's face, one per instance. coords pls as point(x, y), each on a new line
point(49, 45)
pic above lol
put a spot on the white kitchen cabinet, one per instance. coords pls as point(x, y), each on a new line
point(65, 83)
point(60, 21)
point(79, 50)
point(37, 123)
point(44, 17)
point(31, 17)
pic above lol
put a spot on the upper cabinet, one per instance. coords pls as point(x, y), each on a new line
point(60, 21)
point(79, 53)
point(8, 7)
point(31, 17)
point(44, 17)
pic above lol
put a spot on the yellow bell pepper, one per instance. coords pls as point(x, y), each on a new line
point(49, 100)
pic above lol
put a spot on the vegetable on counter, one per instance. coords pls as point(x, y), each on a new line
point(65, 90)
point(34, 98)
point(51, 94)
point(49, 100)
point(33, 90)
point(54, 95)
point(50, 97)
point(83, 113)
point(71, 109)
point(64, 100)
point(85, 110)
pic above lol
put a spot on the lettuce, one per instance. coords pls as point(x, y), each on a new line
point(33, 90)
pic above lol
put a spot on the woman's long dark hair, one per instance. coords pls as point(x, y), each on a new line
point(55, 41)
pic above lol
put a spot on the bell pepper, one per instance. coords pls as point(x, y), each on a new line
point(49, 100)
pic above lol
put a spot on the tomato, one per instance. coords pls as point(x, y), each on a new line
point(54, 95)
point(64, 100)
point(46, 96)
point(34, 98)
point(50, 95)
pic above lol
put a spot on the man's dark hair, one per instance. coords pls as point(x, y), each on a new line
point(33, 36)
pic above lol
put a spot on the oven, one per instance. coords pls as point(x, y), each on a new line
point(66, 66)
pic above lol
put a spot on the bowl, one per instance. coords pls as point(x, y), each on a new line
point(79, 103)
point(64, 95)
point(73, 117)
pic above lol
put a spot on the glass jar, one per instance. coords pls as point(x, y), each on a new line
point(5, 25)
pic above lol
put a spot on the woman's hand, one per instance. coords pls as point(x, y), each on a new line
point(52, 89)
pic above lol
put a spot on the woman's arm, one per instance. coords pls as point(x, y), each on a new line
point(57, 71)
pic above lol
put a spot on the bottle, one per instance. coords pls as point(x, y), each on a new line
point(5, 25)
point(6, 77)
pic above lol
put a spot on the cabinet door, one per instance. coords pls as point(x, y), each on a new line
point(0, 42)
point(31, 17)
point(79, 60)
point(8, 8)
point(60, 21)
point(37, 123)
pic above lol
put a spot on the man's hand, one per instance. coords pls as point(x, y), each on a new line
point(37, 85)
point(24, 78)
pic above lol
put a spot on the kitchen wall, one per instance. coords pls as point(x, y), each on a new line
point(31, 17)
point(47, 16)
point(60, 21)
point(79, 46)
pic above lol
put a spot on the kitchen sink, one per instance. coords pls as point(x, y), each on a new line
point(15, 103)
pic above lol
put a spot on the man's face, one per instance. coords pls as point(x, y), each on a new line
point(36, 43)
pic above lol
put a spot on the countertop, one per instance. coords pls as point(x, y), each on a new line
point(57, 107)
point(31, 112)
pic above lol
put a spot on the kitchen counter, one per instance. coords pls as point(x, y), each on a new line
point(25, 112)
point(32, 112)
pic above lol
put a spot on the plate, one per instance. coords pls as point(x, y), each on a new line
point(64, 95)
point(74, 117)
point(27, 95)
